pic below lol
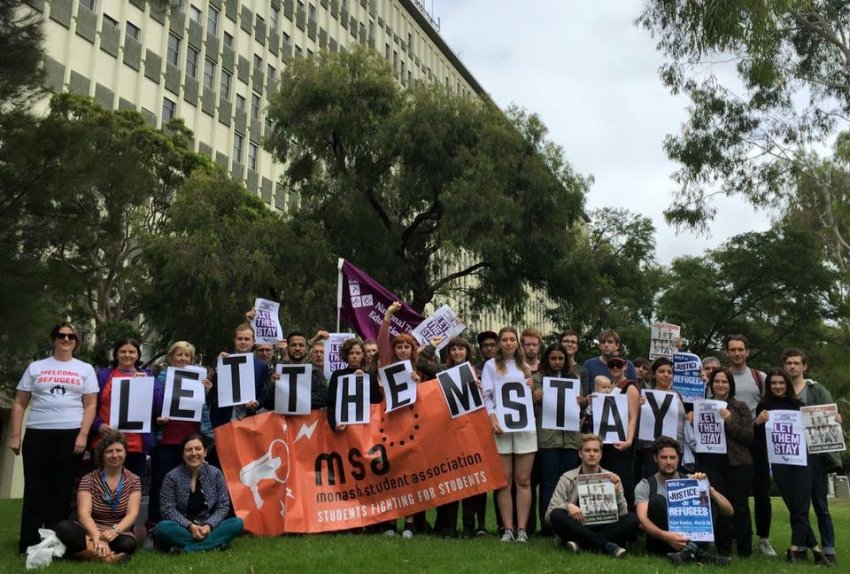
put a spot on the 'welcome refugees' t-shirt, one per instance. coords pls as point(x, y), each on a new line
point(57, 389)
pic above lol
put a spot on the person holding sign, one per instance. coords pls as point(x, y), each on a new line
point(619, 456)
point(662, 373)
point(651, 508)
point(812, 394)
point(557, 450)
point(297, 345)
point(794, 481)
point(126, 360)
point(243, 342)
point(167, 454)
point(61, 393)
point(108, 502)
point(731, 472)
point(195, 504)
point(567, 516)
point(516, 449)
point(352, 353)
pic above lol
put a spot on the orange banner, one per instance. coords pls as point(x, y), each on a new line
point(294, 474)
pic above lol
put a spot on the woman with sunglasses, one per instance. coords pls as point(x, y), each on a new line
point(619, 456)
point(61, 392)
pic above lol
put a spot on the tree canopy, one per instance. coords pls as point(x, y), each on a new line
point(421, 187)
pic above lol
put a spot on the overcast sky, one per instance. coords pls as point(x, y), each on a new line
point(592, 76)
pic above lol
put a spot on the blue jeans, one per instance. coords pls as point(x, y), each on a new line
point(169, 534)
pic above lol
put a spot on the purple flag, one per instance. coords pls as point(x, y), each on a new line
point(363, 301)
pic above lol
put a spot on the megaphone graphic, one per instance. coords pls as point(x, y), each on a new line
point(265, 468)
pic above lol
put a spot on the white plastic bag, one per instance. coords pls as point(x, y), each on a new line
point(43, 553)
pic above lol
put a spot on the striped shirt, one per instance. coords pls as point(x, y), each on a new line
point(104, 514)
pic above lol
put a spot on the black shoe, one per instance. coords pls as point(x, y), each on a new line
point(686, 554)
point(480, 532)
point(175, 551)
point(467, 534)
point(614, 551)
point(796, 555)
point(821, 559)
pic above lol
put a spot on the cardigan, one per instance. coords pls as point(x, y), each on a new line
point(174, 496)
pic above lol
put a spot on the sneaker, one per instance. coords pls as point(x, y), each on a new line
point(175, 551)
point(686, 554)
point(766, 549)
point(407, 533)
point(480, 532)
point(521, 535)
point(704, 557)
point(508, 535)
point(149, 543)
point(821, 559)
point(466, 534)
point(614, 551)
point(390, 533)
point(572, 546)
point(830, 558)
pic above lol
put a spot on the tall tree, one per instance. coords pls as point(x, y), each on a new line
point(775, 287)
point(420, 187)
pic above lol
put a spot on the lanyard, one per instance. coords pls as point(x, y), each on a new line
point(111, 498)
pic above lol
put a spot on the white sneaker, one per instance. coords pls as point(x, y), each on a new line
point(508, 535)
point(407, 533)
point(766, 549)
point(390, 533)
point(521, 535)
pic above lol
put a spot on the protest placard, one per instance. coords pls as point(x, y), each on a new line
point(689, 509)
point(560, 410)
point(610, 417)
point(352, 399)
point(823, 431)
point(514, 406)
point(266, 322)
point(786, 440)
point(662, 340)
point(292, 391)
point(659, 415)
point(398, 384)
point(333, 361)
point(235, 379)
point(686, 377)
point(443, 323)
point(709, 426)
point(597, 498)
point(460, 388)
point(185, 395)
point(131, 404)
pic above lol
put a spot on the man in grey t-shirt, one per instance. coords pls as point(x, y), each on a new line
point(749, 385)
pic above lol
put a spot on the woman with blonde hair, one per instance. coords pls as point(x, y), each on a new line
point(516, 450)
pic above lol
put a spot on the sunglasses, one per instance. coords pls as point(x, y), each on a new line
point(616, 365)
point(68, 336)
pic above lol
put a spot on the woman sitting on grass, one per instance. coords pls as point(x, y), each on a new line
point(108, 502)
point(194, 503)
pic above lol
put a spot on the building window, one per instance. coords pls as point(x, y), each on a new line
point(169, 108)
point(387, 52)
point(192, 62)
point(312, 13)
point(240, 102)
point(195, 13)
point(273, 18)
point(226, 79)
point(172, 56)
point(228, 40)
point(209, 74)
point(258, 63)
point(238, 142)
point(212, 21)
point(255, 106)
point(134, 32)
point(90, 4)
point(108, 19)
point(271, 72)
point(286, 39)
point(252, 156)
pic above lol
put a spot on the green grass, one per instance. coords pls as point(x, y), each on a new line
point(341, 554)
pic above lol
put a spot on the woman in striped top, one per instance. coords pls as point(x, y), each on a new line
point(108, 502)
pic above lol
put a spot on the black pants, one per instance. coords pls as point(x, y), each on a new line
point(446, 524)
point(594, 537)
point(73, 536)
point(734, 483)
point(49, 468)
point(549, 465)
point(820, 504)
point(795, 486)
point(761, 493)
point(164, 458)
point(475, 507)
point(621, 463)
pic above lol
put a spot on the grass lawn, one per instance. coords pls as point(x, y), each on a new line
point(374, 553)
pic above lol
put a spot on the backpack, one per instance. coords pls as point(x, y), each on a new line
point(756, 374)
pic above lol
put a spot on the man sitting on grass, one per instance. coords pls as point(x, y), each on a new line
point(566, 516)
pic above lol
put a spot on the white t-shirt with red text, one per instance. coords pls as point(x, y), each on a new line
point(57, 389)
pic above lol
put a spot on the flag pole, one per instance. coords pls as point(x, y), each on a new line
point(339, 291)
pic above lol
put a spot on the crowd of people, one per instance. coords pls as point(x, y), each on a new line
point(190, 510)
